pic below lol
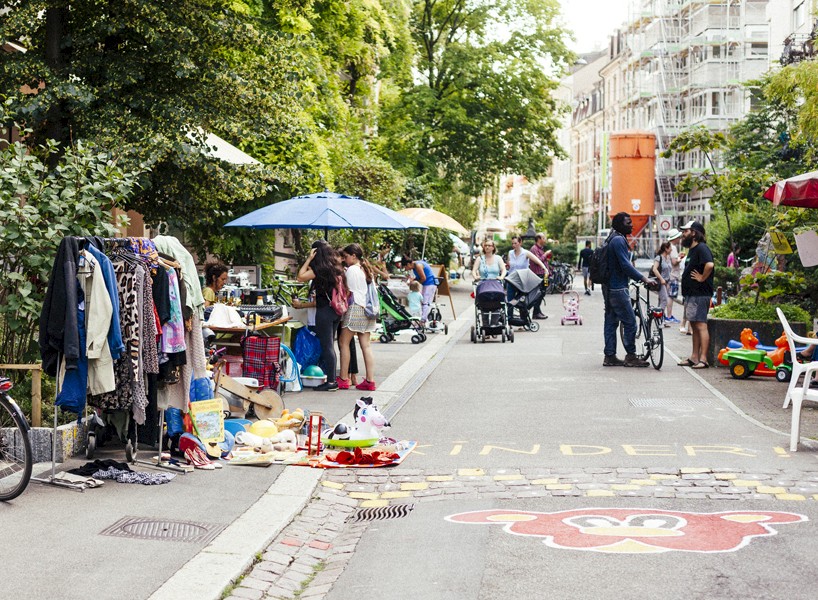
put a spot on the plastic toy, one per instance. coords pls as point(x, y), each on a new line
point(369, 422)
point(570, 302)
point(751, 360)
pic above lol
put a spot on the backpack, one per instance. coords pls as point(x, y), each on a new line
point(599, 269)
point(373, 305)
point(339, 300)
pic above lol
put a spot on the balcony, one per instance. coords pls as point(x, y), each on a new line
point(798, 47)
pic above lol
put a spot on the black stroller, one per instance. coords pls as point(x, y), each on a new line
point(529, 291)
point(395, 317)
point(490, 312)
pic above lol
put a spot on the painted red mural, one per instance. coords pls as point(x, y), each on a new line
point(635, 530)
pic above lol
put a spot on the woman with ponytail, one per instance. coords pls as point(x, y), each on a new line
point(355, 322)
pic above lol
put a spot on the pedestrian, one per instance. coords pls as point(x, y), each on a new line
point(732, 258)
point(618, 308)
point(489, 265)
point(355, 322)
point(422, 272)
point(538, 250)
point(323, 270)
point(676, 258)
point(414, 299)
point(697, 289)
point(583, 263)
point(215, 274)
point(519, 258)
point(661, 271)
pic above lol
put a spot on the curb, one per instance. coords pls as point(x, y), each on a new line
point(227, 557)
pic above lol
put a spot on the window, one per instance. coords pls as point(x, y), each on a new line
point(758, 50)
point(799, 14)
point(715, 103)
point(716, 51)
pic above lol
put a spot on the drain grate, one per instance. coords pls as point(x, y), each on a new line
point(381, 513)
point(667, 402)
point(165, 530)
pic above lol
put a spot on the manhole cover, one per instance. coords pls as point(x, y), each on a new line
point(381, 513)
point(166, 530)
point(667, 402)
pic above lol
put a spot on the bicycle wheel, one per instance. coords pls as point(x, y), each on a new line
point(656, 343)
point(15, 452)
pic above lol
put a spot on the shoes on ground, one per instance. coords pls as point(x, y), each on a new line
point(327, 386)
point(666, 323)
point(540, 317)
point(587, 292)
point(366, 385)
point(343, 384)
point(631, 360)
point(612, 361)
point(672, 319)
point(682, 329)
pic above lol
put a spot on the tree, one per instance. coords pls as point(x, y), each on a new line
point(145, 80)
point(38, 207)
point(481, 103)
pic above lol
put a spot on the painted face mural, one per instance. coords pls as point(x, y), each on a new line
point(635, 530)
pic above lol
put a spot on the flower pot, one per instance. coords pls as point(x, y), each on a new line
point(724, 330)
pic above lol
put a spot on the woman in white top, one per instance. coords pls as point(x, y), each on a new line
point(489, 266)
point(355, 322)
point(518, 259)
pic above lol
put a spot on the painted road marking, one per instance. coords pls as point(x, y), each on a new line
point(635, 530)
point(463, 448)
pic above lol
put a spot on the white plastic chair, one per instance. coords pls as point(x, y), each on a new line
point(795, 393)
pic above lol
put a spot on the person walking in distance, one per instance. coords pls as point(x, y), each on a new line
point(583, 265)
point(661, 271)
point(676, 258)
point(697, 289)
point(519, 258)
point(617, 299)
point(538, 250)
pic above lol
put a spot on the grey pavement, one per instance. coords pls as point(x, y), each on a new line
point(494, 422)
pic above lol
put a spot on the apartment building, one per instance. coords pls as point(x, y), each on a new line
point(675, 64)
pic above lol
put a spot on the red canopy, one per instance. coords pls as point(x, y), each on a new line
point(800, 191)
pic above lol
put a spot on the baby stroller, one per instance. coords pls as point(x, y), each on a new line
point(434, 320)
point(490, 312)
point(570, 303)
point(529, 291)
point(395, 317)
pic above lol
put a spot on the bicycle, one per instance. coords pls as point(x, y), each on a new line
point(16, 459)
point(650, 340)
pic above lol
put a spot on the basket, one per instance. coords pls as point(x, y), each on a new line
point(308, 381)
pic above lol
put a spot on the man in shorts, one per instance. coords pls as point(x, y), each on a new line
point(697, 289)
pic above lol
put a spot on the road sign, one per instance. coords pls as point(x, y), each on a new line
point(665, 223)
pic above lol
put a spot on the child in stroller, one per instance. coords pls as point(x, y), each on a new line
point(490, 312)
point(395, 317)
point(529, 290)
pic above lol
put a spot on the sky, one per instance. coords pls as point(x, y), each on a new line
point(592, 21)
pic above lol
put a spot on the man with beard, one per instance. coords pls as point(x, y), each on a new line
point(697, 289)
point(618, 307)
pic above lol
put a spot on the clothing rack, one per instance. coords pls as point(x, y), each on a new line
point(131, 453)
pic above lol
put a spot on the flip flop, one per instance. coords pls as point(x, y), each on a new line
point(700, 365)
point(686, 363)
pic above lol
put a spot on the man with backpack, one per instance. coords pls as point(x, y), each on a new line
point(612, 266)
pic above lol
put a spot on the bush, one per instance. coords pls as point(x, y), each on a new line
point(748, 310)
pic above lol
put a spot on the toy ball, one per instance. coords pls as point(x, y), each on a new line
point(264, 428)
point(312, 371)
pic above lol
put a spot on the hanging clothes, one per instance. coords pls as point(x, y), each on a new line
point(74, 381)
point(59, 333)
point(173, 332)
point(115, 344)
point(171, 246)
point(98, 313)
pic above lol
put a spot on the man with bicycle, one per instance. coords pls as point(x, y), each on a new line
point(618, 307)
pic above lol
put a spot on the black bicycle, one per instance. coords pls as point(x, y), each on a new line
point(16, 460)
point(650, 339)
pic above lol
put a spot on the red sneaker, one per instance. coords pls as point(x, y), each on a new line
point(343, 384)
point(366, 385)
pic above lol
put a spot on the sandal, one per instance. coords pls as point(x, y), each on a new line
point(700, 365)
point(686, 363)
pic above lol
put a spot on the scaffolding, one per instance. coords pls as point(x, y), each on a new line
point(685, 62)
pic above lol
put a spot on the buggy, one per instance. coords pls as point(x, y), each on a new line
point(529, 291)
point(395, 317)
point(490, 312)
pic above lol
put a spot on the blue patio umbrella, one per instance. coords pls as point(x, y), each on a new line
point(325, 210)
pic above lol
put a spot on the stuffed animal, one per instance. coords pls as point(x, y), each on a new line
point(368, 423)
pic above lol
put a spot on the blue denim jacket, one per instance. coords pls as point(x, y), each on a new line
point(620, 264)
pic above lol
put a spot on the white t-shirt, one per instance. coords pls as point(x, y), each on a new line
point(356, 282)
